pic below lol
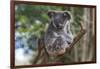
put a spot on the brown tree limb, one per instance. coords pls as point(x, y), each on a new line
point(77, 38)
point(40, 48)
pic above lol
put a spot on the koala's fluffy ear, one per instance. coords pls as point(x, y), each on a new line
point(68, 15)
point(50, 14)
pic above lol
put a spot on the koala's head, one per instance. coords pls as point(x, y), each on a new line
point(59, 18)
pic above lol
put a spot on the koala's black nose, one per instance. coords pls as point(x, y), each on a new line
point(69, 42)
point(59, 26)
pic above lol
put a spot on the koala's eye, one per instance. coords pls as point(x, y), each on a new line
point(66, 14)
point(50, 14)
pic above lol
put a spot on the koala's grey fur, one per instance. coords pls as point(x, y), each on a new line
point(58, 36)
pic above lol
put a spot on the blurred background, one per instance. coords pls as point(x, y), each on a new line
point(31, 21)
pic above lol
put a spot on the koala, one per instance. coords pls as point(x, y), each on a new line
point(58, 35)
